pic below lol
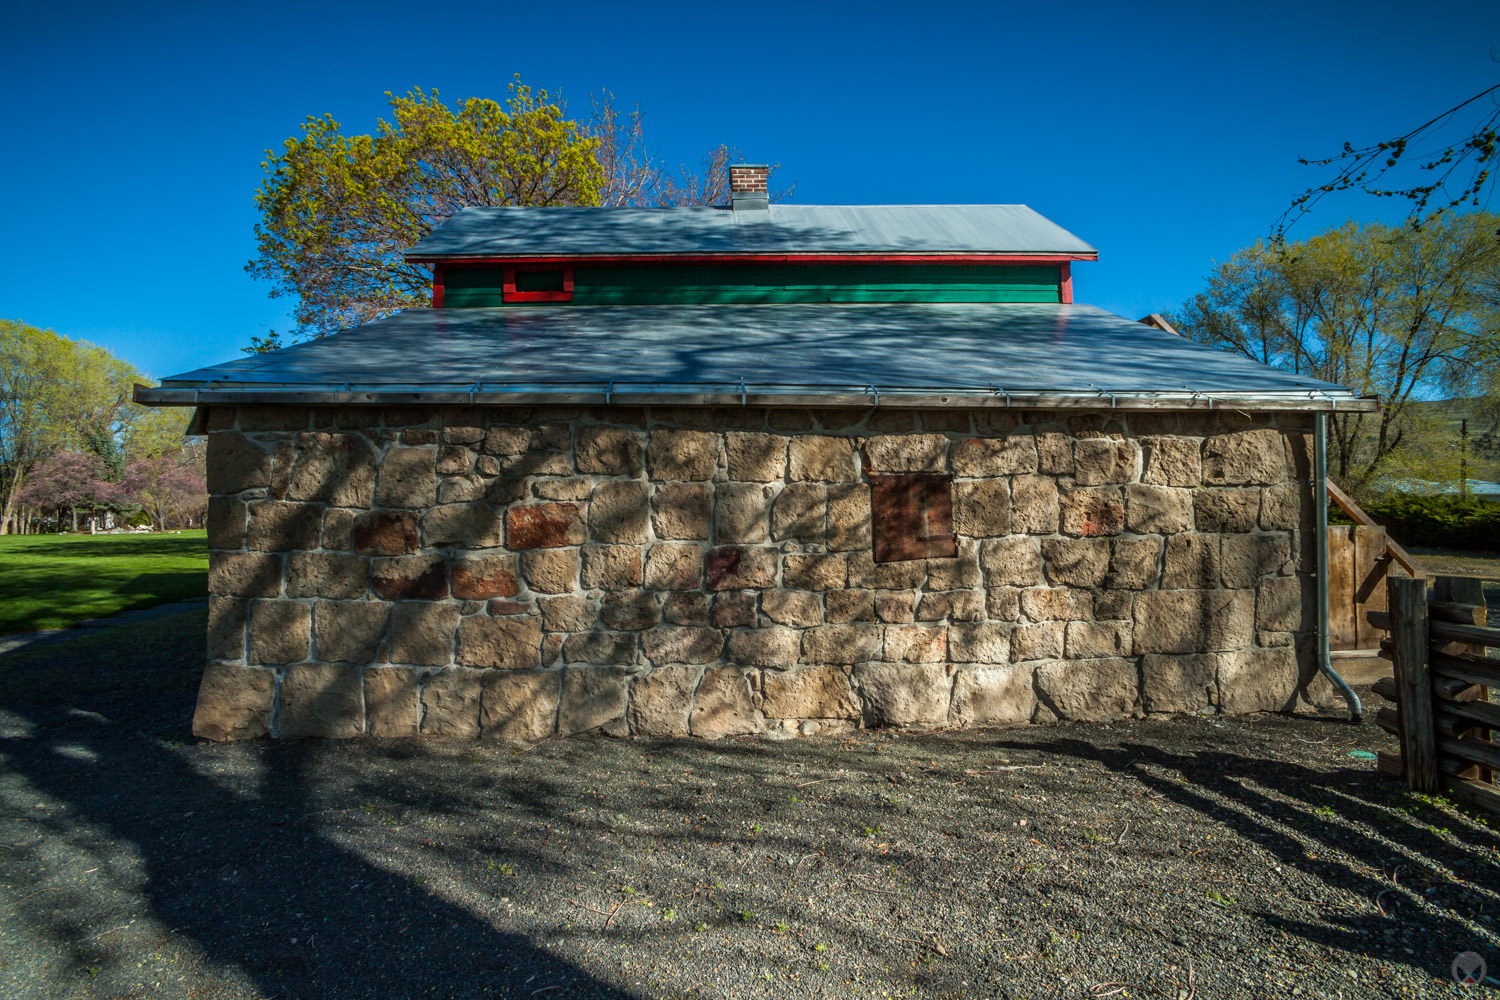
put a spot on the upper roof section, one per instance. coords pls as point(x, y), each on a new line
point(514, 233)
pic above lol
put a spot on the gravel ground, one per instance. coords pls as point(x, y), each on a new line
point(1173, 858)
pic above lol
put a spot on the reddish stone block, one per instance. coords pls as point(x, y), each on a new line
point(544, 526)
point(509, 608)
point(734, 567)
point(386, 533)
point(479, 578)
point(411, 578)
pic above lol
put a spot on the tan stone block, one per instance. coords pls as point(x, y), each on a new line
point(227, 517)
point(464, 525)
point(1193, 621)
point(1169, 461)
point(1192, 563)
point(507, 441)
point(422, 633)
point(1258, 680)
point(244, 574)
point(1285, 604)
point(849, 606)
point(1134, 563)
point(349, 631)
point(904, 694)
point(740, 567)
point(733, 611)
point(958, 572)
point(842, 643)
point(1244, 559)
point(1034, 505)
point(611, 567)
point(1097, 461)
point(620, 512)
point(509, 490)
point(1092, 511)
point(226, 628)
point(951, 605)
point(1042, 604)
point(895, 605)
point(450, 702)
point(481, 577)
point(393, 701)
point(1087, 690)
point(1042, 641)
point(1185, 683)
point(281, 525)
point(461, 489)
point(1086, 640)
point(1076, 562)
point(327, 574)
point(1234, 510)
point(1158, 510)
point(993, 695)
point(983, 457)
point(978, 642)
point(816, 571)
point(385, 533)
point(338, 529)
point(916, 643)
point(660, 701)
point(743, 512)
point(764, 647)
point(1300, 457)
point(811, 693)
point(681, 454)
point(865, 572)
point(1003, 604)
point(236, 463)
point(907, 453)
point(571, 488)
point(568, 613)
point(408, 478)
point(681, 644)
point(756, 458)
point(278, 632)
point(674, 566)
point(628, 611)
point(723, 705)
point(1286, 507)
point(454, 460)
point(512, 643)
point(800, 513)
point(409, 578)
point(609, 451)
point(451, 435)
point(1244, 457)
point(1014, 560)
point(234, 703)
point(797, 608)
point(1054, 452)
point(321, 700)
point(685, 609)
point(981, 508)
point(603, 648)
point(550, 571)
point(681, 510)
point(824, 459)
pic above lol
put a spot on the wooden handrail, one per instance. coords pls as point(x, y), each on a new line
point(1346, 504)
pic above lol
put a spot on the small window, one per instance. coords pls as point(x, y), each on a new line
point(913, 517)
point(538, 283)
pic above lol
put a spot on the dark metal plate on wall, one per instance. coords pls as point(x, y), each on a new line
point(913, 516)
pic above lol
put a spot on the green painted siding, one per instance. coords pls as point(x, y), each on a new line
point(748, 283)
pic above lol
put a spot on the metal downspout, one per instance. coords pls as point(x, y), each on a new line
point(1320, 477)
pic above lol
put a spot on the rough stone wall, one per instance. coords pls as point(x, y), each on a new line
point(520, 572)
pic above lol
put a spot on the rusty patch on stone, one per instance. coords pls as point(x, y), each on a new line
point(407, 579)
point(509, 607)
point(385, 533)
point(543, 526)
point(1102, 517)
point(913, 516)
point(469, 585)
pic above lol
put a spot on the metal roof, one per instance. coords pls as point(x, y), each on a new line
point(800, 229)
point(828, 354)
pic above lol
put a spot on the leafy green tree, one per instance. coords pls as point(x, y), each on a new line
point(1403, 313)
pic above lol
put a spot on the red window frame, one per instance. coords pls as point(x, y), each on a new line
point(509, 293)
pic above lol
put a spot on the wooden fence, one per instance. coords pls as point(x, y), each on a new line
point(1443, 673)
point(1361, 557)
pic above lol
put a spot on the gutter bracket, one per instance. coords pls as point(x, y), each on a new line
point(744, 394)
point(875, 392)
point(609, 391)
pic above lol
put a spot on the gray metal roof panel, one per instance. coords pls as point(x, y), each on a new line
point(1013, 348)
point(845, 229)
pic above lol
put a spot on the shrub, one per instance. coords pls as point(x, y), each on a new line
point(1444, 522)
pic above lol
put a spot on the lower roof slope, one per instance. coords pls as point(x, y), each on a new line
point(907, 354)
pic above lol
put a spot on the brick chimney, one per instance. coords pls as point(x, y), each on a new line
point(747, 187)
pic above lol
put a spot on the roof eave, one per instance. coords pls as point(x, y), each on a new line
point(863, 257)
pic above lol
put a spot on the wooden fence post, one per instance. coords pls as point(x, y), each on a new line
point(1414, 681)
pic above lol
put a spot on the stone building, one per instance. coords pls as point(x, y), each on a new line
point(755, 469)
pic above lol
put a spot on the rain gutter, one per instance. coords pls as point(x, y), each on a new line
point(1320, 476)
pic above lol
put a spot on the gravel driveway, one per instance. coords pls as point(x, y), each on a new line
point(1165, 858)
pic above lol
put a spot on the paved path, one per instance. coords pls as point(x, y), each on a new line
point(25, 640)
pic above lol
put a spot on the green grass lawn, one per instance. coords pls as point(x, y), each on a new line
point(54, 581)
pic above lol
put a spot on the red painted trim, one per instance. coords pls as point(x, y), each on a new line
point(509, 293)
point(1065, 285)
point(437, 286)
point(790, 258)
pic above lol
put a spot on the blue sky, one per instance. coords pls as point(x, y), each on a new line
point(1167, 137)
